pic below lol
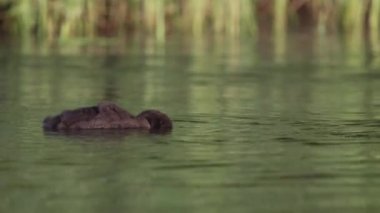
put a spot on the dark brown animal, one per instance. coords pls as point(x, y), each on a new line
point(107, 115)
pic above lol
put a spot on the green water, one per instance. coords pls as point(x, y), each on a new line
point(282, 125)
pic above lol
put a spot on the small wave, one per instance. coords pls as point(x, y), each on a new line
point(193, 166)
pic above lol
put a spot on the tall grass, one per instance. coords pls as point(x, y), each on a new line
point(67, 18)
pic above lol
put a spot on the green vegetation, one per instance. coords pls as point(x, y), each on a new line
point(83, 18)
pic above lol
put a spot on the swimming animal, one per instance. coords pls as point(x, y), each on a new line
point(107, 115)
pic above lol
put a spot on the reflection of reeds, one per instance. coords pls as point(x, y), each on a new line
point(65, 18)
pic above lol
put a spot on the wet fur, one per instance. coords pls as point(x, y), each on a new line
point(107, 115)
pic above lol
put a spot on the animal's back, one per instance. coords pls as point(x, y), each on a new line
point(106, 115)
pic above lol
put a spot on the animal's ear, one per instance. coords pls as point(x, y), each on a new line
point(51, 123)
point(159, 122)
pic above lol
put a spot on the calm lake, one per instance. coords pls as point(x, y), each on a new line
point(260, 125)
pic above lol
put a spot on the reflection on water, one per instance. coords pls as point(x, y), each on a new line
point(258, 126)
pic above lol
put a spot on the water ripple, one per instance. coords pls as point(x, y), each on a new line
point(193, 166)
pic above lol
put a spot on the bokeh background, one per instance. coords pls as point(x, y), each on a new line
point(159, 18)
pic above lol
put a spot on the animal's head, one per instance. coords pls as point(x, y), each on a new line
point(159, 122)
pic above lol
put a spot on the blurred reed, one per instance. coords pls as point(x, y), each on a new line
point(84, 18)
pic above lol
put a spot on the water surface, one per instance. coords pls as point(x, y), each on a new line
point(260, 125)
